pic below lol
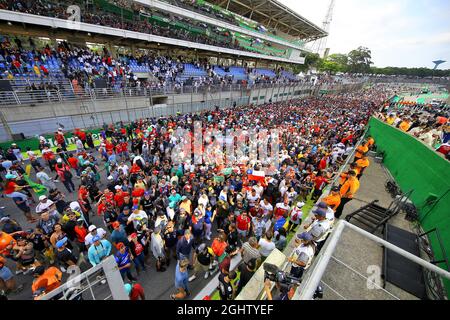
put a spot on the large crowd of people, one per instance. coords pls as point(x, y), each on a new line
point(140, 22)
point(428, 124)
point(155, 211)
point(83, 66)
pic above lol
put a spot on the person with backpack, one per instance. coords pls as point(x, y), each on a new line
point(319, 228)
point(302, 255)
point(295, 217)
point(65, 176)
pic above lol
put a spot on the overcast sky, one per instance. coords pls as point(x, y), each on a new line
point(401, 33)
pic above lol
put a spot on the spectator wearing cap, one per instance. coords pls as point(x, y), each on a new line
point(119, 235)
point(99, 250)
point(12, 189)
point(47, 205)
point(247, 270)
point(157, 246)
point(123, 260)
point(137, 217)
point(333, 199)
point(94, 231)
point(329, 213)
point(302, 255)
point(319, 227)
point(64, 255)
point(347, 191)
point(137, 248)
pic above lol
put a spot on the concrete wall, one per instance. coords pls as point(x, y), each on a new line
point(32, 120)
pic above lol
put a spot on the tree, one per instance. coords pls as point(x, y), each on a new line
point(340, 59)
point(359, 60)
point(330, 66)
point(312, 60)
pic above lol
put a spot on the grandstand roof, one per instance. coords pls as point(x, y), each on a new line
point(273, 14)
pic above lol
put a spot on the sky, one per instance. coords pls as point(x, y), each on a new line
point(400, 33)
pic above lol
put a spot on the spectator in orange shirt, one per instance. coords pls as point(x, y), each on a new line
point(361, 150)
point(333, 200)
point(362, 164)
point(405, 125)
point(348, 190)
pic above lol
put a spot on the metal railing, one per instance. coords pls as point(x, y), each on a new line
point(33, 97)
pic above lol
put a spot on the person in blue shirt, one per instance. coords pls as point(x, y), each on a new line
point(100, 249)
point(119, 234)
point(123, 258)
point(208, 222)
point(181, 280)
point(280, 222)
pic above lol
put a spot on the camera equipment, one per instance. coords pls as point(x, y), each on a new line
point(318, 294)
point(282, 278)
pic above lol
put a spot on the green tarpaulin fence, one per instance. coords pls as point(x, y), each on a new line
point(417, 167)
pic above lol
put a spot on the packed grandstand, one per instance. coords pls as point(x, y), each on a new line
point(99, 105)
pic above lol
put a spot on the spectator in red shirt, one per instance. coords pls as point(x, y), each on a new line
point(135, 291)
point(319, 184)
point(73, 161)
point(243, 225)
point(59, 137)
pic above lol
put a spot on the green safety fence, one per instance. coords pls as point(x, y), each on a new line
point(416, 167)
point(33, 143)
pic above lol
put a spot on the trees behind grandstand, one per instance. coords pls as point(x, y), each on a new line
point(359, 61)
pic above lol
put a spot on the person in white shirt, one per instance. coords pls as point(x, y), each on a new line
point(329, 213)
point(93, 231)
point(319, 228)
point(266, 206)
point(44, 179)
point(138, 217)
point(252, 197)
point(46, 204)
point(124, 168)
point(295, 216)
point(302, 255)
point(427, 137)
point(259, 189)
point(203, 200)
point(266, 245)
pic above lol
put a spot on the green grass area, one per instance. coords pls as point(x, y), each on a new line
point(70, 147)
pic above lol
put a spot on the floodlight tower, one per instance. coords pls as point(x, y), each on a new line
point(320, 45)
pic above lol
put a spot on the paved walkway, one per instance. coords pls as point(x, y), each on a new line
point(359, 253)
